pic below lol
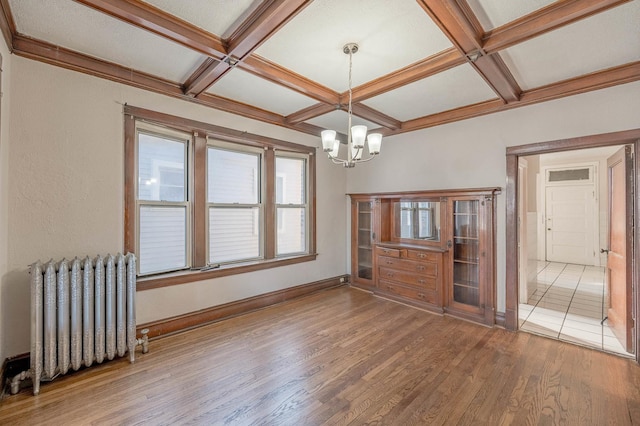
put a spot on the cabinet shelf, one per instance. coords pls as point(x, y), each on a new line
point(466, 284)
point(466, 238)
point(466, 261)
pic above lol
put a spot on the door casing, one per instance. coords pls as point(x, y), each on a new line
point(630, 137)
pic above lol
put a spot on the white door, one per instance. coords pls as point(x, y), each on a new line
point(570, 224)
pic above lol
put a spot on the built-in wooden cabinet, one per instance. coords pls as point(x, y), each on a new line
point(410, 274)
point(432, 249)
point(470, 291)
point(366, 229)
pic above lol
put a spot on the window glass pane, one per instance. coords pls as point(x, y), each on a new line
point(290, 180)
point(233, 177)
point(161, 171)
point(291, 230)
point(234, 234)
point(163, 238)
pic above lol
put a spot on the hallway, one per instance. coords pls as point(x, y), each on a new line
point(568, 304)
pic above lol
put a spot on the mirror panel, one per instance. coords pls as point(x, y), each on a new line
point(417, 220)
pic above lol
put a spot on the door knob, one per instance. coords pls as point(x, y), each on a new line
point(604, 251)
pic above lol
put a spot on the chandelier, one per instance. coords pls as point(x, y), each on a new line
point(356, 135)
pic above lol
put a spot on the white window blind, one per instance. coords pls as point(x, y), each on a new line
point(291, 205)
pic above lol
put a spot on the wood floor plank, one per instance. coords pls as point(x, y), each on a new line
point(343, 357)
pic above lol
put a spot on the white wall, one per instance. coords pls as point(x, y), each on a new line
point(5, 101)
point(66, 195)
point(471, 153)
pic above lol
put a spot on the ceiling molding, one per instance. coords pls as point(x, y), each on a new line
point(614, 76)
point(150, 18)
point(257, 28)
point(7, 25)
point(623, 74)
point(461, 27)
point(554, 16)
point(55, 55)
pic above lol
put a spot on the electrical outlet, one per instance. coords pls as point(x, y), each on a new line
point(343, 279)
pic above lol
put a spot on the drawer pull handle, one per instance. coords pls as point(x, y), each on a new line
point(422, 255)
point(389, 274)
point(389, 262)
point(421, 281)
point(421, 295)
point(420, 268)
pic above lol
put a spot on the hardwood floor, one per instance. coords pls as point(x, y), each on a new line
point(342, 356)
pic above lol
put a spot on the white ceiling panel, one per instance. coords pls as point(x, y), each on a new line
point(338, 120)
point(601, 41)
point(82, 29)
point(391, 35)
point(456, 87)
point(214, 16)
point(494, 13)
point(247, 88)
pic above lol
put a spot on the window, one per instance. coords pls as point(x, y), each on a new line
point(291, 205)
point(203, 201)
point(162, 207)
point(235, 206)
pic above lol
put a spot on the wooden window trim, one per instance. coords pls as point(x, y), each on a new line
point(201, 131)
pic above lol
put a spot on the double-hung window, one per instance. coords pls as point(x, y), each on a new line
point(291, 204)
point(234, 199)
point(162, 206)
point(203, 201)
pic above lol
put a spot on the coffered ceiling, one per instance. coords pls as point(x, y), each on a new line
point(420, 63)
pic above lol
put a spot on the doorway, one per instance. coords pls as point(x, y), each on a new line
point(574, 282)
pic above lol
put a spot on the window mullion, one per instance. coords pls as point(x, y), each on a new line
point(199, 197)
point(269, 205)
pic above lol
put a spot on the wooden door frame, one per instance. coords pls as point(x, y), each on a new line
point(628, 137)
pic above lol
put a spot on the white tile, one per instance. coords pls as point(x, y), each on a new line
point(582, 319)
point(571, 325)
point(541, 311)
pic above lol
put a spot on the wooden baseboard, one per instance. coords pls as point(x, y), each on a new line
point(500, 319)
point(217, 313)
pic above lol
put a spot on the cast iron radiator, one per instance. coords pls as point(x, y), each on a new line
point(82, 311)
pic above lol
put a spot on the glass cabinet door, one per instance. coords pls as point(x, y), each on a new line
point(365, 239)
point(466, 278)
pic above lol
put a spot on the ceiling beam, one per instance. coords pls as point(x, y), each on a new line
point(309, 113)
point(549, 18)
point(464, 31)
point(275, 73)
point(432, 65)
point(374, 116)
point(598, 80)
point(270, 16)
point(145, 16)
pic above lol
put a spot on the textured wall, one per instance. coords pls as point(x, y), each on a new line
point(66, 193)
point(471, 153)
point(4, 179)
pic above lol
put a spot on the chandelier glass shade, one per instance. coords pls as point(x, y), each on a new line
point(356, 135)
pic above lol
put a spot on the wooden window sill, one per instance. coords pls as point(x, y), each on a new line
point(183, 277)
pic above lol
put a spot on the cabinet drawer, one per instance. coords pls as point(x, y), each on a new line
point(384, 251)
point(423, 255)
point(414, 293)
point(406, 277)
point(426, 268)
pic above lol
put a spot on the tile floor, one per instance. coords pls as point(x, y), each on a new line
point(568, 304)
